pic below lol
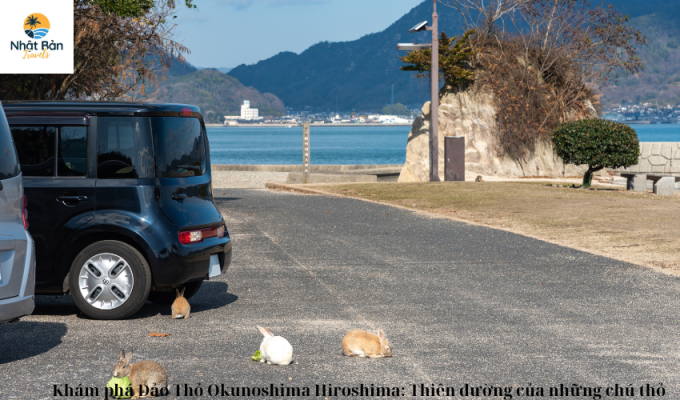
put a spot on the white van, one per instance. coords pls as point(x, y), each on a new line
point(17, 251)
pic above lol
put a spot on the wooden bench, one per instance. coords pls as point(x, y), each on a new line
point(664, 185)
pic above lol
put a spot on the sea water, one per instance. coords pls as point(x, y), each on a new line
point(343, 145)
point(329, 145)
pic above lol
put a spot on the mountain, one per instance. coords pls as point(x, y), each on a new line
point(349, 75)
point(178, 68)
point(216, 94)
point(660, 81)
point(222, 69)
point(360, 74)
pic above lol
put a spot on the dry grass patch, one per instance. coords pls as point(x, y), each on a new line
point(637, 227)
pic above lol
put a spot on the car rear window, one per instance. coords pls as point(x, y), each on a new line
point(9, 165)
point(124, 148)
point(180, 147)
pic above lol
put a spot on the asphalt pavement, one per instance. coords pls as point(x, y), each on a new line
point(460, 304)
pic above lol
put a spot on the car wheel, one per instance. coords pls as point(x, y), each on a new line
point(190, 290)
point(109, 280)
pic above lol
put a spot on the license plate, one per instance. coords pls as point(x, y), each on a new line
point(215, 269)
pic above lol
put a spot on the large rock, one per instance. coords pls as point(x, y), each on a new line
point(472, 113)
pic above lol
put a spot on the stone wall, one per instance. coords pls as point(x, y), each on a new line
point(471, 113)
point(657, 158)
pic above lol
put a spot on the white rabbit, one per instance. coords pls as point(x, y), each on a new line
point(275, 349)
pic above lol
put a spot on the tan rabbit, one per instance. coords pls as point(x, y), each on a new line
point(364, 344)
point(180, 307)
point(145, 373)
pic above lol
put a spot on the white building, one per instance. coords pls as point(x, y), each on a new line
point(248, 113)
point(393, 119)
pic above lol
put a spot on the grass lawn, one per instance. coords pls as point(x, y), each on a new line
point(641, 228)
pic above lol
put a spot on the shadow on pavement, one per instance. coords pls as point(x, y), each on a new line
point(61, 305)
point(211, 296)
point(26, 339)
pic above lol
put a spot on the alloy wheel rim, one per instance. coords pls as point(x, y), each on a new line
point(106, 281)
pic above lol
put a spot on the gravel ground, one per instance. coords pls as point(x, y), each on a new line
point(246, 179)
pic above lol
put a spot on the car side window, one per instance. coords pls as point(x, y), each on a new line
point(124, 148)
point(36, 149)
point(72, 159)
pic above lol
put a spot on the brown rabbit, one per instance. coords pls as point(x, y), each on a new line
point(145, 373)
point(180, 307)
point(364, 344)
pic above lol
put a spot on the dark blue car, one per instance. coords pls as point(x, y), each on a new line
point(120, 199)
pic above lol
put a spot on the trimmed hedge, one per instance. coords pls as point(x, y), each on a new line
point(597, 143)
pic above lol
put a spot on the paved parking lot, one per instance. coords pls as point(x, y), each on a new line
point(461, 304)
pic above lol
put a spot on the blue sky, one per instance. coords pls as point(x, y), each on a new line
point(227, 33)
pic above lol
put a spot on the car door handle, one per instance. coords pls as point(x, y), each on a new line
point(178, 196)
point(72, 198)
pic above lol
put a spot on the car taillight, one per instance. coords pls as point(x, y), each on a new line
point(186, 112)
point(24, 212)
point(197, 236)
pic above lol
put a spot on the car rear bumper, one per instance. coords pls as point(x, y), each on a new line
point(24, 303)
point(16, 307)
point(176, 263)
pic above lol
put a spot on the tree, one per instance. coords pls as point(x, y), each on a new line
point(455, 59)
point(545, 61)
point(597, 143)
point(484, 13)
point(120, 49)
point(396, 109)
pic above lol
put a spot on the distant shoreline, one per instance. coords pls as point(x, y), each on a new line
point(300, 126)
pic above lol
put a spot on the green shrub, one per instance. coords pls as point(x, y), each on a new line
point(597, 143)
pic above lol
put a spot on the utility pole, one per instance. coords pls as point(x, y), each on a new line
point(434, 104)
point(305, 153)
point(434, 111)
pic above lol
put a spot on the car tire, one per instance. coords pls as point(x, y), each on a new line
point(190, 290)
point(109, 271)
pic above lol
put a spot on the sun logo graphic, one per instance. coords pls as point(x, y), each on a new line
point(36, 26)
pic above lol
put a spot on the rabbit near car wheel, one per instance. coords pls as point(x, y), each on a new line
point(180, 307)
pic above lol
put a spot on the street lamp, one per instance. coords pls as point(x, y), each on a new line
point(434, 110)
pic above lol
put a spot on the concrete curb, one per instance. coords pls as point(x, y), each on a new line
point(298, 168)
point(296, 189)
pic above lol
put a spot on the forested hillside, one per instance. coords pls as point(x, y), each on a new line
point(660, 81)
point(217, 94)
point(360, 74)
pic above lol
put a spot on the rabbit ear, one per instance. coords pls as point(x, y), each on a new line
point(177, 291)
point(128, 356)
point(121, 355)
point(270, 332)
point(381, 335)
point(183, 289)
point(263, 331)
